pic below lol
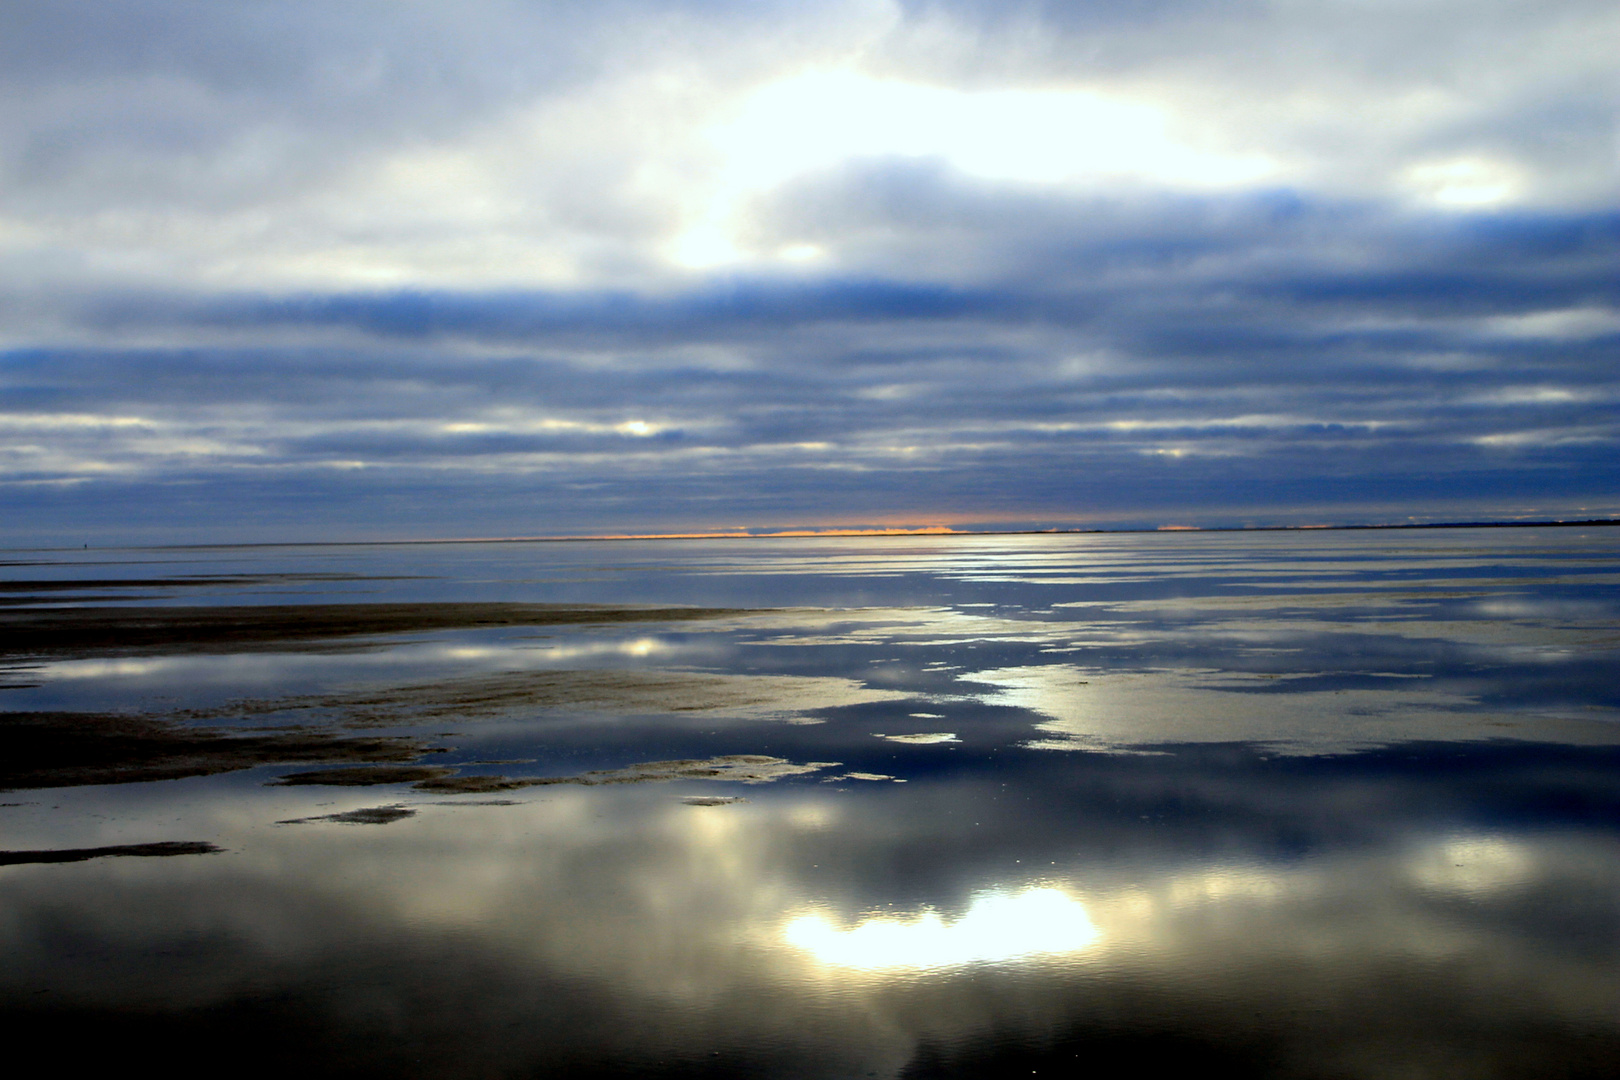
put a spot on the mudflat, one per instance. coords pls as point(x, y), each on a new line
point(84, 631)
point(161, 849)
point(59, 748)
point(67, 749)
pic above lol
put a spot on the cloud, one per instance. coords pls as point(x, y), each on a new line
point(673, 264)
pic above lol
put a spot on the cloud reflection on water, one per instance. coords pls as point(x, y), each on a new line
point(1101, 710)
point(996, 927)
point(766, 929)
point(1323, 810)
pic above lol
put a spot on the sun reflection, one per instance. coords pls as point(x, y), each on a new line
point(997, 927)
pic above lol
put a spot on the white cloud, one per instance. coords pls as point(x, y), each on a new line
point(564, 146)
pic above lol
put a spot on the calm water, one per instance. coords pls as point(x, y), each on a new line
point(1337, 804)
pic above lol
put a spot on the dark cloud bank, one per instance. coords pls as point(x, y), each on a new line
point(1222, 377)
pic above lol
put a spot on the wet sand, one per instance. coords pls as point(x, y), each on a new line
point(509, 693)
point(20, 590)
point(30, 633)
point(366, 815)
point(735, 768)
point(42, 749)
point(68, 749)
point(162, 849)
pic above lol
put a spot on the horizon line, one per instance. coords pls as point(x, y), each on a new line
point(898, 532)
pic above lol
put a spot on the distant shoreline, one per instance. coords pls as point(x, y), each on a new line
point(845, 534)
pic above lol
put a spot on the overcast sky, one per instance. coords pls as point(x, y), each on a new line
point(275, 270)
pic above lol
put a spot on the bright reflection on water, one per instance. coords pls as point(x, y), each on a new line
point(1285, 804)
point(995, 928)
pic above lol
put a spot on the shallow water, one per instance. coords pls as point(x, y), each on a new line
point(1297, 804)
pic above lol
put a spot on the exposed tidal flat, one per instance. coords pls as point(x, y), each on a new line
point(1304, 804)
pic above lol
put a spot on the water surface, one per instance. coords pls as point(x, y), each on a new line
point(1333, 804)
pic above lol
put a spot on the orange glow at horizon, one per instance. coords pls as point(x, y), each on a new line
point(736, 534)
point(743, 534)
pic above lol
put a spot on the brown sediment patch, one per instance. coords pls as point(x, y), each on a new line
point(370, 815)
point(20, 592)
point(67, 749)
point(472, 785)
point(523, 693)
point(626, 691)
point(364, 777)
point(61, 749)
point(84, 631)
point(65, 855)
point(735, 768)
point(587, 690)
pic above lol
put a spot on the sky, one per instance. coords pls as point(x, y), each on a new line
point(412, 269)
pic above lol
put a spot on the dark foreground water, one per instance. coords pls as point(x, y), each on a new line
point(1313, 804)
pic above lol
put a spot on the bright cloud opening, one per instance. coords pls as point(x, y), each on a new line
point(1465, 182)
point(818, 120)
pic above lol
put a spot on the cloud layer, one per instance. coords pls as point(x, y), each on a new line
point(274, 273)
